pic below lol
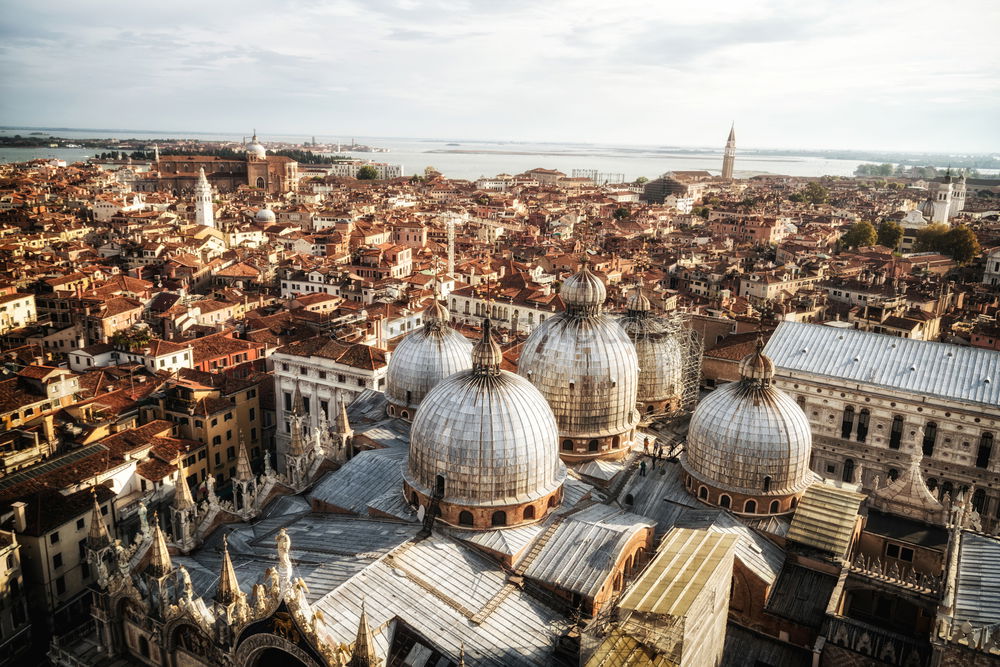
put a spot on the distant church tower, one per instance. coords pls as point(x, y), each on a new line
point(203, 212)
point(729, 156)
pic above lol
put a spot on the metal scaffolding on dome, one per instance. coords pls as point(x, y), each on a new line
point(677, 326)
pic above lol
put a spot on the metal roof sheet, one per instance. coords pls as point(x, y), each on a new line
point(686, 560)
point(365, 478)
point(825, 518)
point(977, 590)
point(922, 367)
point(762, 556)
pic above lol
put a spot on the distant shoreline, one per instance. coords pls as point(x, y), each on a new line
point(685, 156)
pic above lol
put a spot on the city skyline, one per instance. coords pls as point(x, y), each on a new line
point(819, 77)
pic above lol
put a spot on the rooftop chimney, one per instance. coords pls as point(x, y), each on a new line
point(20, 518)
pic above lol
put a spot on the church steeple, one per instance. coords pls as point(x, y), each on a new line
point(729, 155)
point(159, 557)
point(203, 211)
point(229, 587)
point(364, 654)
point(98, 537)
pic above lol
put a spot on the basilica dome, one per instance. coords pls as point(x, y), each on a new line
point(255, 150)
point(485, 443)
point(661, 361)
point(423, 359)
point(749, 442)
point(265, 215)
point(586, 367)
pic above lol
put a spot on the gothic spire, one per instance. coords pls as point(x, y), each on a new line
point(244, 473)
point(341, 423)
point(98, 536)
point(159, 558)
point(229, 587)
point(182, 492)
point(364, 654)
point(298, 405)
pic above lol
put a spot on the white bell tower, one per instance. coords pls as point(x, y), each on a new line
point(204, 214)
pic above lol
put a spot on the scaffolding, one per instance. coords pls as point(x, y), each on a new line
point(684, 353)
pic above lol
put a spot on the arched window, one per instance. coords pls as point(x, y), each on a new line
point(143, 646)
point(863, 418)
point(465, 518)
point(629, 499)
point(414, 499)
point(791, 505)
point(931, 484)
point(439, 485)
point(848, 475)
point(948, 488)
point(409, 396)
point(649, 409)
point(552, 501)
point(260, 181)
point(615, 441)
point(985, 450)
point(750, 507)
point(896, 433)
point(703, 493)
point(930, 437)
point(725, 501)
point(801, 400)
point(499, 518)
point(847, 425)
point(979, 500)
point(767, 484)
point(567, 445)
point(775, 507)
point(893, 474)
point(405, 414)
point(529, 513)
point(592, 446)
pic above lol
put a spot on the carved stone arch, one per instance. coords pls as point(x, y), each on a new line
point(188, 643)
point(255, 647)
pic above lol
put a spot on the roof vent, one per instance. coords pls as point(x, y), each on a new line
point(951, 354)
point(857, 358)
point(893, 346)
point(913, 367)
point(805, 350)
point(986, 380)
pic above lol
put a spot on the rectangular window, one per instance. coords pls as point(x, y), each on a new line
point(60, 585)
point(252, 414)
point(229, 416)
point(57, 561)
point(229, 435)
point(54, 537)
point(230, 453)
point(218, 459)
point(79, 524)
point(104, 510)
point(201, 455)
point(288, 402)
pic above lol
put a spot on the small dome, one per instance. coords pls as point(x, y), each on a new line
point(424, 358)
point(265, 215)
point(637, 302)
point(749, 436)
point(583, 291)
point(254, 149)
point(927, 209)
point(488, 434)
point(661, 360)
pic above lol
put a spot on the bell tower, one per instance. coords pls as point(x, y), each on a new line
point(729, 155)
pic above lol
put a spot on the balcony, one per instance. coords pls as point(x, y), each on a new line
point(889, 572)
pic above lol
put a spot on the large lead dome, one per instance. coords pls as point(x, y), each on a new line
point(485, 442)
point(749, 442)
point(661, 362)
point(586, 367)
point(423, 359)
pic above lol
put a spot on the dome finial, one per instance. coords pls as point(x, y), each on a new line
point(757, 367)
point(583, 292)
point(486, 355)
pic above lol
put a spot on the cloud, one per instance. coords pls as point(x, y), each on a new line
point(825, 73)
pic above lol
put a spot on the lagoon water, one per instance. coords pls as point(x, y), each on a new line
point(457, 158)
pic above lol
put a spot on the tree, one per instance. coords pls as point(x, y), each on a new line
point(932, 238)
point(796, 197)
point(890, 233)
point(961, 243)
point(621, 213)
point(861, 234)
point(815, 194)
point(367, 173)
point(642, 180)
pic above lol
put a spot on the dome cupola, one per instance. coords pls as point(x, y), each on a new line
point(254, 150)
point(749, 443)
point(661, 360)
point(423, 359)
point(586, 367)
point(484, 443)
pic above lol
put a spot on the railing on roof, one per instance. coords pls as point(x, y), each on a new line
point(985, 638)
point(884, 645)
point(891, 573)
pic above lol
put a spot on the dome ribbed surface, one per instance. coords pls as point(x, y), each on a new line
point(744, 432)
point(422, 360)
point(661, 362)
point(265, 215)
point(491, 436)
point(588, 371)
point(583, 290)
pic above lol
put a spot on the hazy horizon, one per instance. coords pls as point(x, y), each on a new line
point(895, 76)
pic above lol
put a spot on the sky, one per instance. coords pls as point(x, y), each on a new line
point(866, 74)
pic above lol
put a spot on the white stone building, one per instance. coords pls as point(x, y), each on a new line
point(872, 400)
